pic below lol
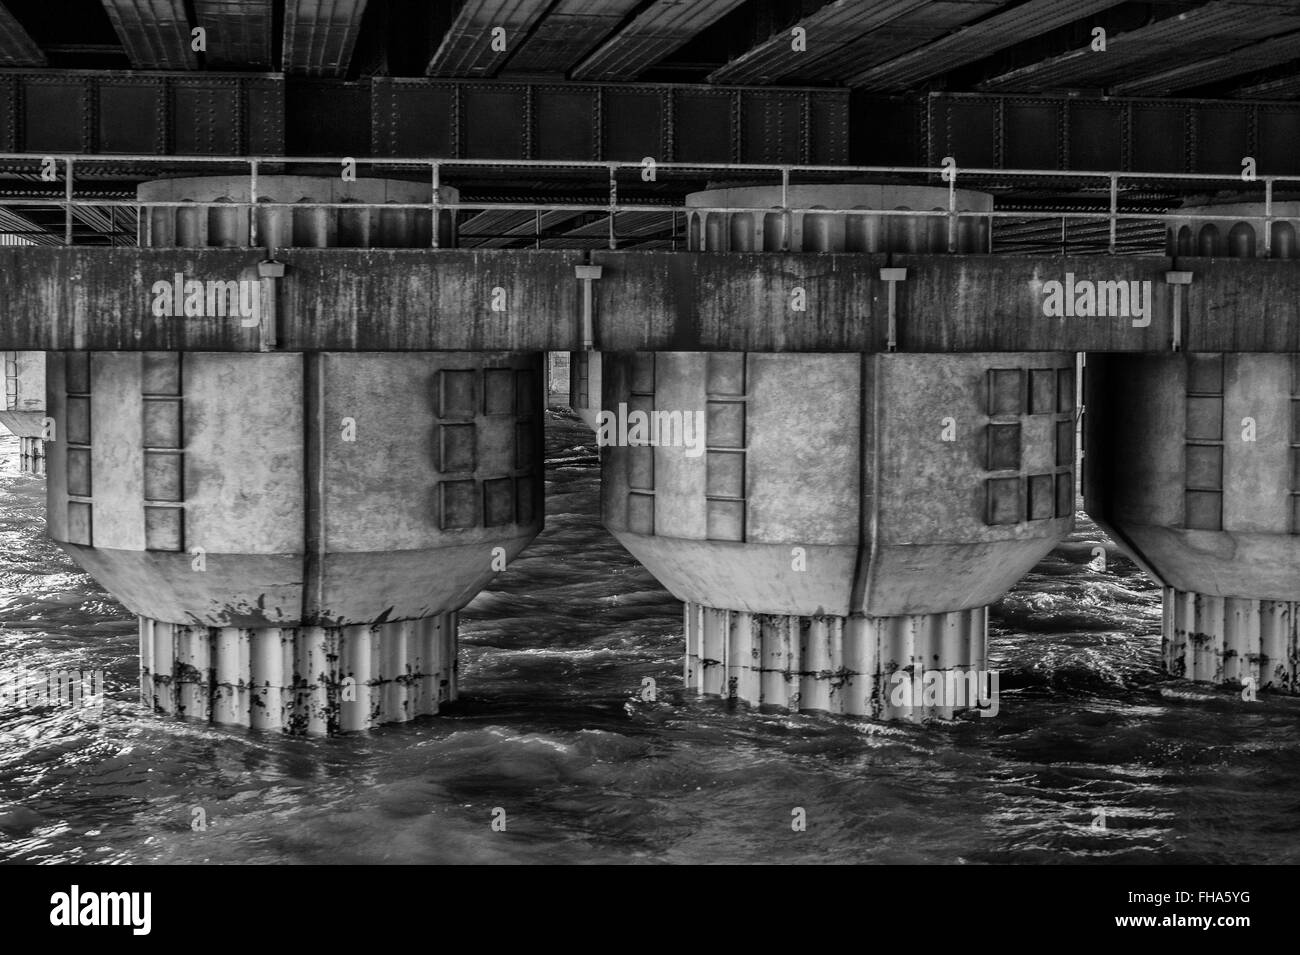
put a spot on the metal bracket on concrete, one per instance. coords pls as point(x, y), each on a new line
point(893, 277)
point(1178, 280)
point(587, 274)
point(270, 271)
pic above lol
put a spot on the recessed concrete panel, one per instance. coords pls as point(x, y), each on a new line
point(164, 528)
point(498, 502)
point(79, 476)
point(162, 373)
point(163, 476)
point(460, 505)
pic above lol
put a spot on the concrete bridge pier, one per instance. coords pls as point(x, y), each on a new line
point(24, 407)
point(841, 529)
point(842, 521)
point(1194, 467)
point(296, 531)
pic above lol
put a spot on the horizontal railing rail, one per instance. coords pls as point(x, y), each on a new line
point(604, 175)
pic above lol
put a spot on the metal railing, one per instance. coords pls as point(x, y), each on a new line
point(1108, 183)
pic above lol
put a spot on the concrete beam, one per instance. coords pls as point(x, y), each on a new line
point(516, 300)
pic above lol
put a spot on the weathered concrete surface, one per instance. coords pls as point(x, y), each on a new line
point(996, 303)
point(22, 424)
point(1232, 640)
point(320, 490)
point(24, 374)
point(859, 666)
point(701, 301)
point(836, 484)
point(319, 680)
point(513, 300)
point(359, 299)
point(1241, 305)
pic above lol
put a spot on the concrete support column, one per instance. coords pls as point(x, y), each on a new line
point(832, 521)
point(295, 531)
point(910, 667)
point(1232, 640)
point(300, 679)
point(836, 524)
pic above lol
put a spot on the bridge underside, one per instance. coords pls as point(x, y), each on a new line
point(859, 244)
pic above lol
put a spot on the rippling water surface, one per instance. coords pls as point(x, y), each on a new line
point(550, 730)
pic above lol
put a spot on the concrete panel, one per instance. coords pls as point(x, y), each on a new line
point(243, 425)
point(680, 481)
point(1257, 474)
point(426, 299)
point(233, 591)
point(359, 588)
point(116, 455)
point(1258, 566)
point(933, 491)
point(803, 471)
point(909, 579)
point(56, 452)
point(378, 490)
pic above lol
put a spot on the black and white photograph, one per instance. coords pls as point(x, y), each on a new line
point(650, 433)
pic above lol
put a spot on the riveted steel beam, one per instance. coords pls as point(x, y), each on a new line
point(1062, 132)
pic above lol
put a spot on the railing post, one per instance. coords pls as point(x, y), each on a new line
point(613, 201)
point(1177, 280)
point(786, 223)
point(67, 203)
point(1268, 218)
point(1114, 209)
point(952, 215)
point(436, 180)
point(252, 203)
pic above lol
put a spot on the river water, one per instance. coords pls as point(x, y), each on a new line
point(550, 731)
